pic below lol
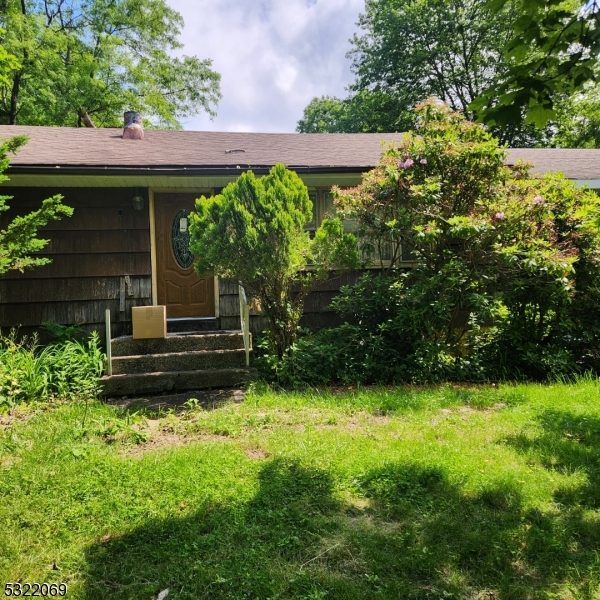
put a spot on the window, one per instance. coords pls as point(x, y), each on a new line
point(324, 208)
point(314, 224)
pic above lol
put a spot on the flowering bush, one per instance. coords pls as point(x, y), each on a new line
point(508, 264)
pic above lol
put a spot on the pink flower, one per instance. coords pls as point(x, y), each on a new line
point(538, 200)
point(400, 165)
point(499, 216)
point(409, 162)
point(423, 161)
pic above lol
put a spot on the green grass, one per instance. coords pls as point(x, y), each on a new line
point(482, 493)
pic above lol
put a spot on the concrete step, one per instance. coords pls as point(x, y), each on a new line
point(179, 361)
point(150, 383)
point(188, 324)
point(221, 340)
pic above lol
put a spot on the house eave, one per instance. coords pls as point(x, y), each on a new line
point(174, 171)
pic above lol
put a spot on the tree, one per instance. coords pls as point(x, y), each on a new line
point(493, 247)
point(577, 120)
point(364, 112)
point(8, 63)
point(18, 240)
point(552, 53)
point(412, 49)
point(324, 115)
point(253, 233)
point(82, 59)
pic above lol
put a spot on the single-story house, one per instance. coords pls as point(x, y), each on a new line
point(126, 243)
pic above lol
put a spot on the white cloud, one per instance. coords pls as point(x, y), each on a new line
point(285, 77)
point(274, 56)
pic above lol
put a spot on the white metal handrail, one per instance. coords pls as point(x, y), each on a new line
point(245, 321)
point(108, 343)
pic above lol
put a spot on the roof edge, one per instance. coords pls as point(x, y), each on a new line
point(173, 171)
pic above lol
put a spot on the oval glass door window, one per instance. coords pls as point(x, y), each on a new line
point(180, 240)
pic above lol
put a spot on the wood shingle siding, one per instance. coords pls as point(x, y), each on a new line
point(91, 252)
point(317, 310)
point(85, 265)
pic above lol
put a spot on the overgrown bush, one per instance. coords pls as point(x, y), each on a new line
point(379, 343)
point(66, 369)
point(505, 278)
point(253, 233)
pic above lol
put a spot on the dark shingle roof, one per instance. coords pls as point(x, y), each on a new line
point(98, 148)
point(574, 163)
point(104, 147)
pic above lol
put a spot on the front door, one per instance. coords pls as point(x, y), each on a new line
point(178, 286)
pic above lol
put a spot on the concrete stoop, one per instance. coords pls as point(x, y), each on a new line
point(214, 359)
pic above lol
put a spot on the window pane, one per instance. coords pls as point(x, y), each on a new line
point(329, 208)
point(408, 252)
point(313, 224)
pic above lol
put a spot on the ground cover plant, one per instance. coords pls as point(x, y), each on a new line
point(440, 492)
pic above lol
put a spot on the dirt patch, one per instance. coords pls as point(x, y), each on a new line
point(8, 462)
point(166, 438)
point(22, 413)
point(488, 595)
point(256, 453)
point(163, 440)
point(352, 425)
point(359, 503)
point(207, 399)
point(379, 419)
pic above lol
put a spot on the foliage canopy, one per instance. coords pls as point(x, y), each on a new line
point(553, 52)
point(409, 50)
point(80, 59)
point(524, 68)
point(505, 267)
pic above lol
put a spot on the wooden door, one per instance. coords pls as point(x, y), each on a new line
point(178, 286)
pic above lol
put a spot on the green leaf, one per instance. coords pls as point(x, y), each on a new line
point(540, 114)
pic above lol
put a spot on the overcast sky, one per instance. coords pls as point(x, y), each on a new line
point(274, 56)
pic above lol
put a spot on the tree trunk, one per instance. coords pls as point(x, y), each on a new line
point(14, 99)
point(85, 119)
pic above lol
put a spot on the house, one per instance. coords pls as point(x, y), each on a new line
point(126, 243)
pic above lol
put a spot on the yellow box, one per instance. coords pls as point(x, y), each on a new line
point(149, 322)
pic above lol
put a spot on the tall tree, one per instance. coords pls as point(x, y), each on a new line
point(552, 52)
point(364, 112)
point(412, 49)
point(577, 119)
point(95, 58)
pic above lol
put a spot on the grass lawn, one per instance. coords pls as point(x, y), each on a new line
point(483, 493)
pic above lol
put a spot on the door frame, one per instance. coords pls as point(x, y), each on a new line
point(152, 213)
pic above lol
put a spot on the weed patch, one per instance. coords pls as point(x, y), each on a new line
point(66, 369)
